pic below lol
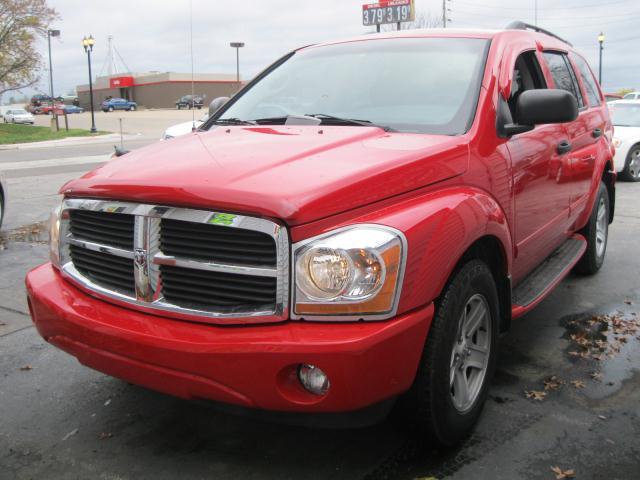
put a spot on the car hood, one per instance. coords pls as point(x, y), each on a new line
point(297, 174)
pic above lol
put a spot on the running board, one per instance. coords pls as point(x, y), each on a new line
point(539, 283)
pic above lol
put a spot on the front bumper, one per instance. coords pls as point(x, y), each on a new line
point(250, 366)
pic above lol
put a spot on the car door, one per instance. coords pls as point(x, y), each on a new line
point(539, 171)
point(589, 142)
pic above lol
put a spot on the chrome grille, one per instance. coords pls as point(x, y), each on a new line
point(191, 264)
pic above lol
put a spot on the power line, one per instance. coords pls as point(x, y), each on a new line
point(500, 7)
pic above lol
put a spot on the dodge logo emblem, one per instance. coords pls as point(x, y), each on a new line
point(140, 257)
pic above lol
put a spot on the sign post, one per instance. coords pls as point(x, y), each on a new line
point(388, 11)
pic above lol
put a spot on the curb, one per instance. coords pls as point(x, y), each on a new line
point(70, 141)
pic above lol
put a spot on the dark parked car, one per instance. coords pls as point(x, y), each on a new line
point(190, 101)
point(118, 104)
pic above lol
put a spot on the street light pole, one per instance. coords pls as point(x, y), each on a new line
point(601, 42)
point(87, 43)
point(237, 46)
point(51, 33)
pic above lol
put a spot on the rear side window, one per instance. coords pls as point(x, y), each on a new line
point(563, 75)
point(587, 79)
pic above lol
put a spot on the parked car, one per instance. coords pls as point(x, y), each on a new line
point(41, 99)
point(4, 192)
point(369, 233)
point(69, 109)
point(612, 97)
point(46, 109)
point(118, 104)
point(18, 115)
point(182, 128)
point(625, 115)
point(632, 96)
point(190, 101)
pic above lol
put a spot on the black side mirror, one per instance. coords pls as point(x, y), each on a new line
point(537, 107)
point(216, 104)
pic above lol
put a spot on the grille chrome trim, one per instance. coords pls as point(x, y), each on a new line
point(147, 258)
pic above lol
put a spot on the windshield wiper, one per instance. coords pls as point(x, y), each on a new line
point(231, 121)
point(349, 121)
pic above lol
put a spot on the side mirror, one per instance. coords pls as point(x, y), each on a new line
point(216, 104)
point(537, 107)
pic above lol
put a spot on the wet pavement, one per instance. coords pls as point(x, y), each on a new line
point(566, 396)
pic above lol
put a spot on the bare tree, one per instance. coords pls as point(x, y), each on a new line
point(21, 22)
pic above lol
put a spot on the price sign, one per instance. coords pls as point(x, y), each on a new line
point(388, 11)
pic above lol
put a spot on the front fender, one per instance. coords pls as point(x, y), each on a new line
point(439, 226)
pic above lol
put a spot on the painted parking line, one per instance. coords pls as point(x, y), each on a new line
point(53, 162)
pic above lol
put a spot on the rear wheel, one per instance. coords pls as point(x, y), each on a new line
point(631, 170)
point(458, 360)
point(596, 233)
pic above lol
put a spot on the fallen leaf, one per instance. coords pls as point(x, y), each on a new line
point(628, 302)
point(105, 435)
point(2, 324)
point(578, 384)
point(596, 376)
point(552, 383)
point(535, 394)
point(26, 368)
point(602, 417)
point(560, 474)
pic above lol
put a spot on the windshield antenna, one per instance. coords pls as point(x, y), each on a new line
point(193, 107)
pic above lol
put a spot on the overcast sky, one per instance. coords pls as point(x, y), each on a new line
point(154, 35)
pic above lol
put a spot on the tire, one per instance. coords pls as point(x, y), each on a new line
point(179, 107)
point(110, 109)
point(631, 172)
point(435, 405)
point(596, 232)
point(132, 108)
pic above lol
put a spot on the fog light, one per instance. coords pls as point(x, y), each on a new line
point(313, 379)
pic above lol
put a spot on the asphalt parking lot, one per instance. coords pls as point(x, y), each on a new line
point(62, 420)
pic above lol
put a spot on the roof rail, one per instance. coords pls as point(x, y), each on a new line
point(518, 25)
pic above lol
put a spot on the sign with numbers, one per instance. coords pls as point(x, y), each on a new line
point(388, 11)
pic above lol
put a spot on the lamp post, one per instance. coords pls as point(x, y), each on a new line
point(237, 46)
point(51, 33)
point(601, 42)
point(87, 43)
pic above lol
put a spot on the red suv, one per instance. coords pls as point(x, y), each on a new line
point(355, 227)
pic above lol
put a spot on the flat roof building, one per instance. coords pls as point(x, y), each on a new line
point(157, 89)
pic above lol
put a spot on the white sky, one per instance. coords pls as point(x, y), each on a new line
point(154, 35)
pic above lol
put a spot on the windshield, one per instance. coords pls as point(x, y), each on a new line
point(625, 115)
point(19, 112)
point(420, 85)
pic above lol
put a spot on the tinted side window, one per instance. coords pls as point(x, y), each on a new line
point(588, 80)
point(563, 75)
point(527, 75)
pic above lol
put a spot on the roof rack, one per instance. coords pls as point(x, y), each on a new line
point(518, 25)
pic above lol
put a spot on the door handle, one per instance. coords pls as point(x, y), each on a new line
point(563, 147)
point(596, 133)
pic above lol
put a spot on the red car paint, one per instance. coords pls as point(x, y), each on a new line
point(443, 192)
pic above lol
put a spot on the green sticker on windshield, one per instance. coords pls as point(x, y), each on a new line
point(222, 219)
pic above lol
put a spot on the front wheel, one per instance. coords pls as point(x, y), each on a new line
point(458, 360)
point(110, 109)
point(132, 108)
point(631, 170)
point(596, 233)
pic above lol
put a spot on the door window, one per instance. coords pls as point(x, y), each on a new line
point(527, 75)
point(563, 75)
point(587, 79)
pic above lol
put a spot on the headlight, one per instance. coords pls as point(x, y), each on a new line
point(617, 142)
point(352, 273)
point(54, 236)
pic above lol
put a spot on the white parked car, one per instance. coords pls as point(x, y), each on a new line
point(18, 115)
point(182, 128)
point(632, 96)
point(625, 115)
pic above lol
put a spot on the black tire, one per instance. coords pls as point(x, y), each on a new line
point(428, 407)
point(110, 109)
point(631, 172)
point(132, 108)
point(1, 207)
point(593, 257)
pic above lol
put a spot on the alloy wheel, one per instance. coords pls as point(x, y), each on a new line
point(634, 164)
point(471, 352)
point(602, 228)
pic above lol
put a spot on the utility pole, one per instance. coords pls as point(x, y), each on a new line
point(444, 13)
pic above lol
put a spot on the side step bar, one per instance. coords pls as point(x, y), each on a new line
point(539, 283)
